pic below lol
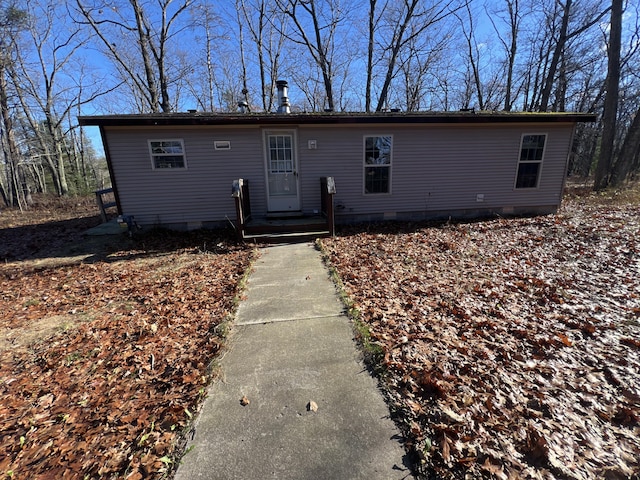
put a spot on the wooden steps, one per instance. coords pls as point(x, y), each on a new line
point(285, 229)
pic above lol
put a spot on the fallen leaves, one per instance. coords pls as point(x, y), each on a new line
point(510, 346)
point(112, 395)
point(46, 226)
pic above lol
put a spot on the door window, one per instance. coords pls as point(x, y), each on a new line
point(280, 154)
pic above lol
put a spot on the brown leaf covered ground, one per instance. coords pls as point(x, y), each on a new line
point(46, 227)
point(510, 347)
point(126, 344)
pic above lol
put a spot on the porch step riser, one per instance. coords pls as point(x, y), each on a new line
point(286, 237)
point(268, 229)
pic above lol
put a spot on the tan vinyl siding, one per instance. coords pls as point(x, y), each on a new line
point(199, 193)
point(435, 169)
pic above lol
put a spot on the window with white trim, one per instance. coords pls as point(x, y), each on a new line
point(530, 162)
point(377, 164)
point(167, 154)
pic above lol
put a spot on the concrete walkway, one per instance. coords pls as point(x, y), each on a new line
point(292, 344)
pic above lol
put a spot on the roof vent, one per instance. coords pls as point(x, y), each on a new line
point(283, 99)
point(243, 107)
point(192, 111)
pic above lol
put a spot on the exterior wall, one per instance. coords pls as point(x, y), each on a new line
point(437, 170)
point(199, 194)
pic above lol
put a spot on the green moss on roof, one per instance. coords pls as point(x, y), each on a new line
point(327, 118)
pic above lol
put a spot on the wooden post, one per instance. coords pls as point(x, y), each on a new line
point(236, 193)
point(246, 201)
point(240, 193)
point(103, 214)
point(327, 191)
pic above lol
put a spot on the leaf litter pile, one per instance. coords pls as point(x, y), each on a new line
point(510, 348)
point(111, 393)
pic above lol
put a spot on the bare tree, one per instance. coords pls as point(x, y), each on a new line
point(564, 10)
point(114, 26)
point(322, 23)
point(609, 116)
point(473, 53)
point(373, 18)
point(266, 29)
point(513, 19)
point(12, 21)
point(50, 87)
point(202, 77)
point(629, 155)
point(419, 65)
point(403, 23)
point(628, 158)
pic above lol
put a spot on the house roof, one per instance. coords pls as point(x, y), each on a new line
point(208, 118)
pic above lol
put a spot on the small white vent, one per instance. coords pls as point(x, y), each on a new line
point(222, 145)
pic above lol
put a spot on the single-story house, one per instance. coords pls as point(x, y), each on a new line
point(178, 169)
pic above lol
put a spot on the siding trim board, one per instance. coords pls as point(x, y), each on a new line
point(464, 167)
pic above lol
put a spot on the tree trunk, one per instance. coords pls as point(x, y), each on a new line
point(62, 175)
point(320, 46)
point(4, 193)
point(370, 47)
point(564, 36)
point(472, 57)
point(11, 154)
point(143, 42)
point(398, 38)
point(603, 169)
point(628, 153)
point(513, 48)
point(325, 64)
point(555, 59)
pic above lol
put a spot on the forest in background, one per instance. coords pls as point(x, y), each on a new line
point(59, 60)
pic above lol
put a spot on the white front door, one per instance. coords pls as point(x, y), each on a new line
point(282, 171)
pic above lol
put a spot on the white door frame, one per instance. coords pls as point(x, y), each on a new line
point(286, 178)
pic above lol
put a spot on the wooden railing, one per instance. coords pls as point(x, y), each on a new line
point(327, 191)
point(240, 192)
point(103, 204)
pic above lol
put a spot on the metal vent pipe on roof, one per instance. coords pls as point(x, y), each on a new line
point(283, 99)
